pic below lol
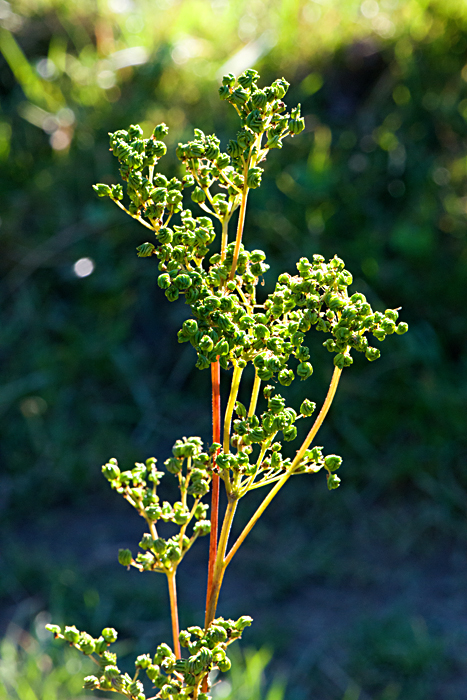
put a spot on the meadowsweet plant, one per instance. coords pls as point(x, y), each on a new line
point(232, 325)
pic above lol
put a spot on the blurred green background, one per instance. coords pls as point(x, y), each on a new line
point(361, 593)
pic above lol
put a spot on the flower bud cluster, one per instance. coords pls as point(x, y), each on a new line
point(176, 679)
point(321, 290)
point(139, 487)
point(262, 111)
point(150, 196)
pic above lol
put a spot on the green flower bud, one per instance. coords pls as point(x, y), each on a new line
point(333, 481)
point(234, 149)
point(161, 130)
point(245, 138)
point(280, 87)
point(202, 528)
point(159, 545)
point(153, 512)
point(254, 177)
point(248, 77)
point(229, 80)
point(242, 622)
point(296, 126)
point(182, 281)
point(206, 343)
point(164, 281)
point(289, 433)
point(135, 132)
point(71, 634)
point(136, 689)
point(198, 195)
point(307, 408)
point(402, 328)
point(332, 462)
point(159, 149)
point(259, 99)
point(286, 377)
point(221, 348)
point(255, 121)
point(153, 672)
point(143, 661)
point(224, 664)
point(392, 314)
point(190, 326)
point(304, 370)
point(223, 161)
point(110, 471)
point(125, 557)
point(102, 190)
point(145, 250)
point(91, 683)
point(184, 638)
point(110, 635)
point(55, 629)
point(372, 354)
point(146, 542)
point(239, 96)
point(163, 651)
point(342, 360)
point(116, 192)
point(86, 643)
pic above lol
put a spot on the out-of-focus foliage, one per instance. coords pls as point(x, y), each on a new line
point(87, 341)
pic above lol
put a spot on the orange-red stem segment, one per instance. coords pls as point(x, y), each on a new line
point(216, 437)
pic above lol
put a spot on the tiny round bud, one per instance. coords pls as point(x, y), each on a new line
point(102, 190)
point(110, 471)
point(125, 557)
point(332, 462)
point(164, 281)
point(71, 634)
point(333, 481)
point(304, 370)
point(372, 354)
point(143, 661)
point(91, 683)
point(110, 635)
point(402, 328)
point(286, 377)
point(55, 629)
point(224, 664)
point(307, 408)
point(198, 195)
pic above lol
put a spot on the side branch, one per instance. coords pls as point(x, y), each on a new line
point(298, 458)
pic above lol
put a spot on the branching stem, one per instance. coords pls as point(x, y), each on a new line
point(298, 458)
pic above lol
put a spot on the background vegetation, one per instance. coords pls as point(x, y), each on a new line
point(368, 580)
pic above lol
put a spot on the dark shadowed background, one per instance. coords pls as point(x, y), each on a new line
point(360, 593)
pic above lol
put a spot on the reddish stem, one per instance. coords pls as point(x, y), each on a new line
point(216, 437)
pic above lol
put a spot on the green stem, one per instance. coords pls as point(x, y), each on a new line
point(298, 458)
point(237, 375)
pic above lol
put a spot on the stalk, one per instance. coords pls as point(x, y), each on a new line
point(221, 562)
point(237, 375)
point(254, 395)
point(216, 437)
point(225, 234)
point(298, 458)
point(174, 612)
point(241, 224)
